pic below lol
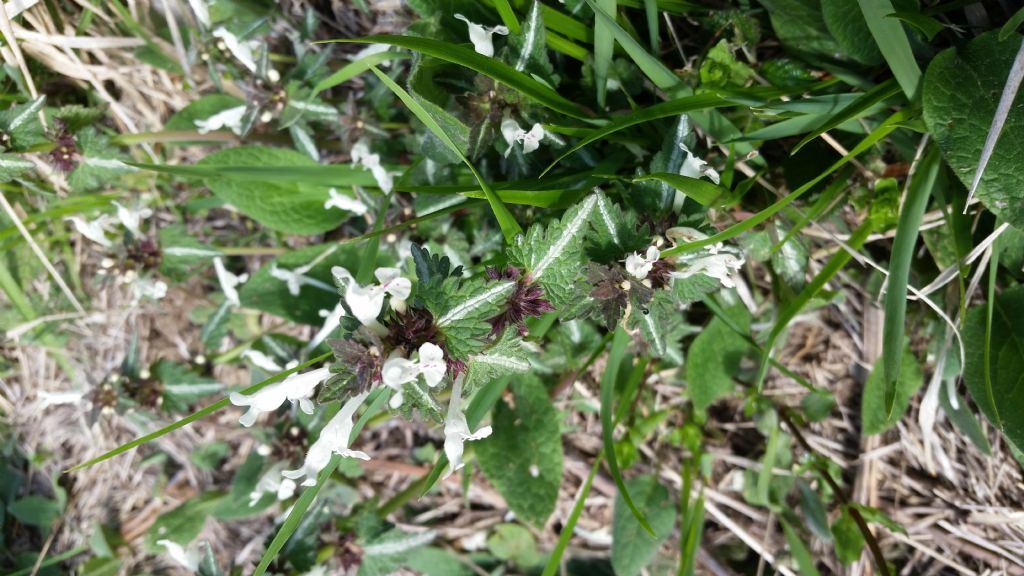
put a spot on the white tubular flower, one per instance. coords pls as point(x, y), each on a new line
point(482, 36)
point(242, 51)
point(57, 398)
point(432, 364)
point(342, 202)
point(332, 319)
point(295, 279)
point(366, 302)
point(189, 559)
point(147, 289)
point(398, 371)
point(333, 440)
point(273, 483)
point(513, 134)
point(361, 156)
point(201, 10)
point(95, 230)
point(132, 218)
point(456, 430)
point(262, 361)
point(719, 266)
point(230, 119)
point(695, 167)
point(640, 266)
point(298, 388)
point(228, 282)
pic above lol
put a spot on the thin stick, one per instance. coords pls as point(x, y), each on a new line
point(39, 252)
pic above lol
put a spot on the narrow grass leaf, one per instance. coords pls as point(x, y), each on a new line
point(704, 192)
point(201, 413)
point(1011, 25)
point(651, 10)
point(355, 68)
point(804, 560)
point(508, 15)
point(893, 42)
point(495, 69)
point(658, 73)
point(555, 560)
point(907, 230)
point(509, 227)
point(604, 43)
point(320, 174)
point(854, 110)
point(611, 372)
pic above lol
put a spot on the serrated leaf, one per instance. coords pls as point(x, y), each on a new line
point(632, 547)
point(529, 47)
point(181, 252)
point(21, 124)
point(504, 357)
point(617, 232)
point(662, 327)
point(12, 166)
point(714, 357)
point(100, 164)
point(523, 456)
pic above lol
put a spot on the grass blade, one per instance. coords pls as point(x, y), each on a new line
point(658, 73)
point(324, 174)
point(604, 44)
point(490, 67)
point(555, 561)
point(611, 372)
point(854, 110)
point(804, 560)
point(893, 43)
point(201, 413)
point(877, 134)
point(651, 9)
point(355, 68)
point(907, 229)
point(704, 192)
point(508, 16)
point(509, 227)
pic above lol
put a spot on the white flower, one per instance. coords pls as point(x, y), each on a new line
point(482, 36)
point(720, 266)
point(273, 483)
point(229, 282)
point(242, 51)
point(361, 156)
point(513, 134)
point(298, 388)
point(640, 266)
point(295, 279)
point(202, 11)
point(145, 288)
point(342, 202)
point(398, 371)
point(333, 439)
point(132, 218)
point(57, 398)
point(189, 559)
point(332, 319)
point(456, 430)
point(230, 119)
point(262, 361)
point(366, 302)
point(95, 230)
point(695, 167)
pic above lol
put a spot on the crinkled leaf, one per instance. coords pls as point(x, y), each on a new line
point(12, 166)
point(100, 164)
point(21, 124)
point(504, 357)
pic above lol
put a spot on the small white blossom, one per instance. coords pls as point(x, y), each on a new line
point(342, 202)
point(202, 11)
point(131, 218)
point(57, 398)
point(188, 559)
point(230, 118)
point(640, 266)
point(333, 440)
point(398, 371)
point(283, 488)
point(720, 266)
point(513, 134)
point(262, 361)
point(482, 36)
point(696, 167)
point(456, 430)
point(332, 319)
point(95, 230)
point(145, 288)
point(243, 51)
point(229, 282)
point(361, 156)
point(366, 302)
point(295, 279)
point(297, 388)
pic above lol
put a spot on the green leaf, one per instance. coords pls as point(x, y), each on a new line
point(182, 524)
point(846, 23)
point(21, 124)
point(506, 356)
point(294, 207)
point(35, 511)
point(924, 24)
point(849, 540)
point(919, 189)
point(508, 223)
point(514, 543)
point(555, 561)
point(995, 377)
point(490, 67)
point(466, 310)
point(100, 163)
point(298, 169)
point(355, 68)
point(854, 110)
point(963, 418)
point(523, 457)
point(875, 416)
point(12, 166)
point(552, 254)
point(184, 120)
point(704, 192)
point(814, 511)
point(714, 357)
point(508, 15)
point(893, 43)
point(1011, 25)
point(800, 26)
point(604, 42)
point(531, 44)
point(632, 547)
point(804, 560)
point(961, 90)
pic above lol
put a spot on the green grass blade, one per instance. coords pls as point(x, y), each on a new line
point(604, 44)
point(731, 232)
point(411, 222)
point(15, 294)
point(508, 15)
point(1011, 25)
point(555, 560)
point(822, 203)
point(611, 372)
point(804, 560)
point(490, 67)
point(651, 9)
point(324, 174)
point(659, 74)
point(704, 192)
point(355, 68)
point(509, 227)
point(201, 413)
point(893, 43)
point(907, 230)
point(854, 110)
